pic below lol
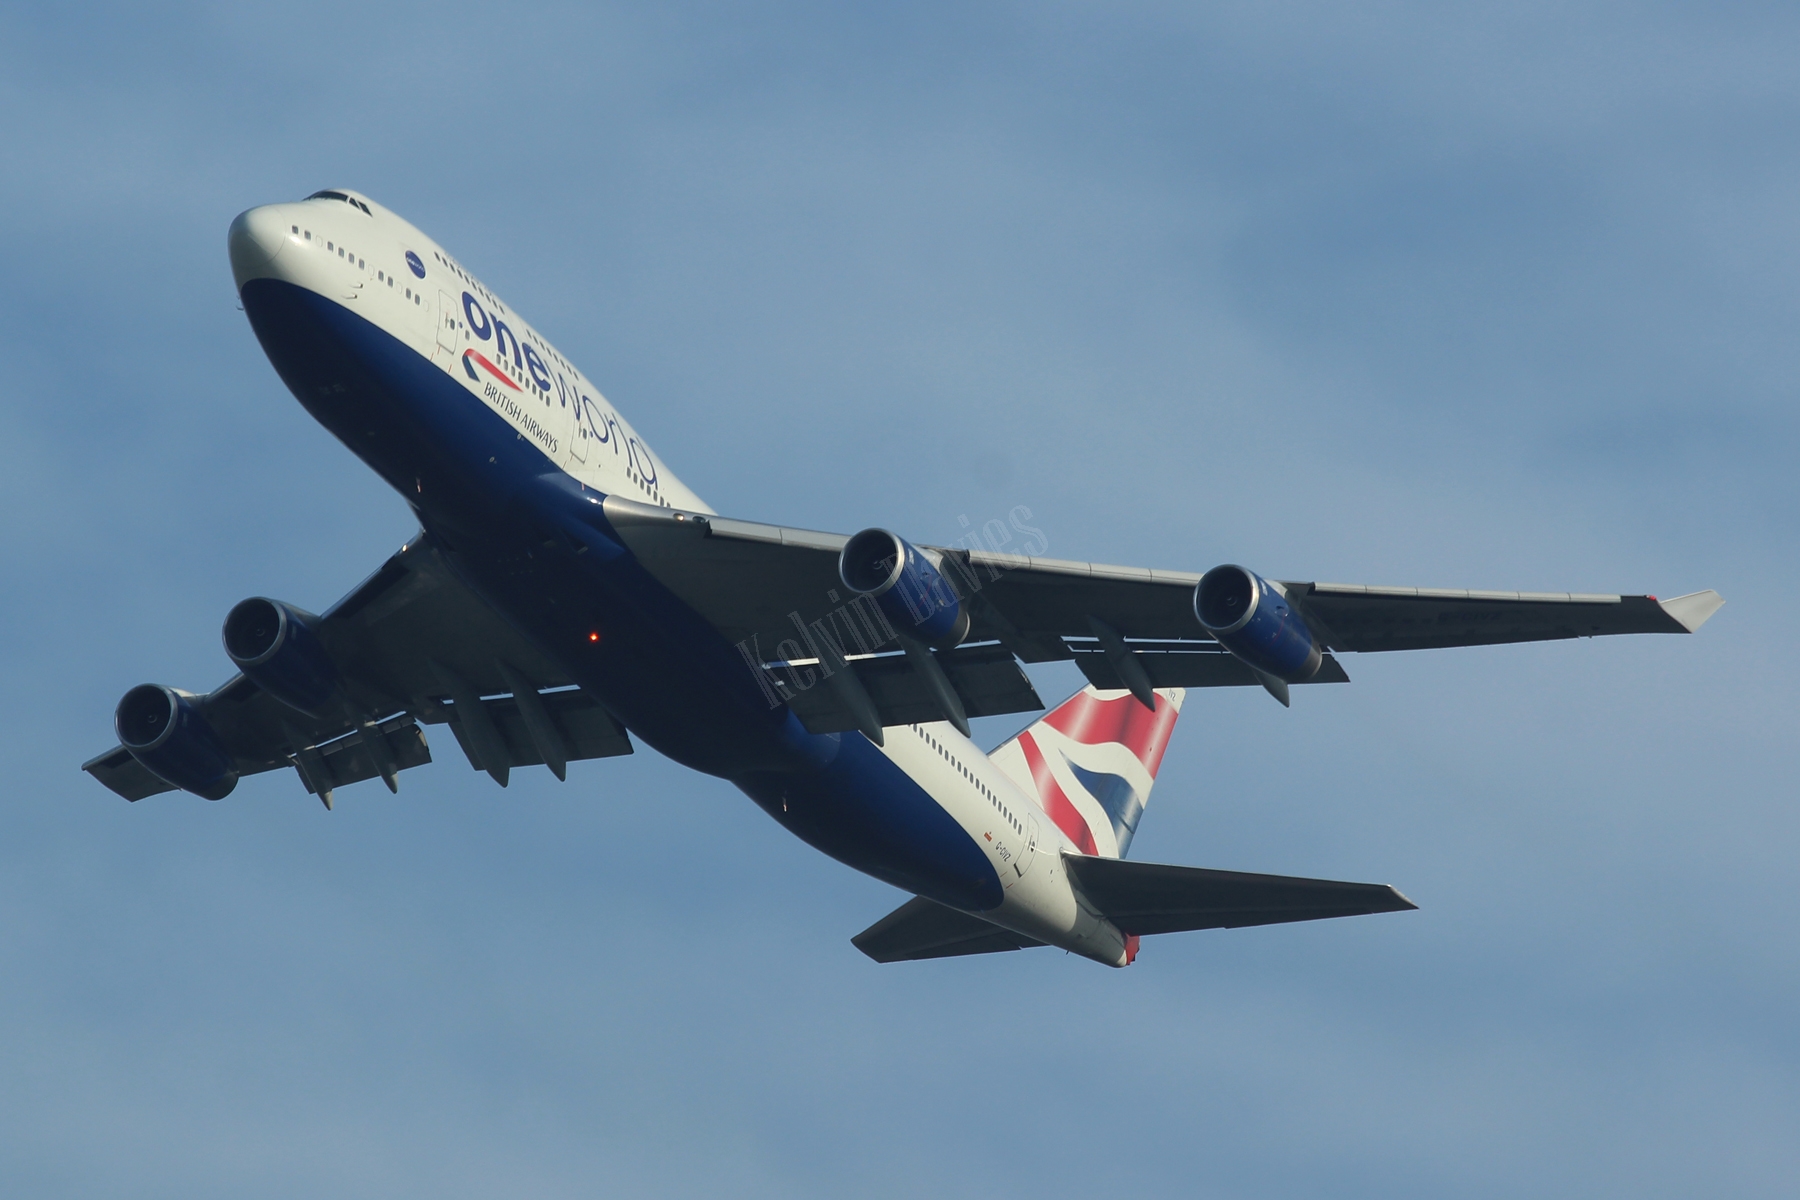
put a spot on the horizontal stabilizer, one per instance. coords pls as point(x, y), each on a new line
point(923, 928)
point(1144, 898)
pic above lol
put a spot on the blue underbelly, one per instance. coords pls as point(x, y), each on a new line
point(532, 541)
point(866, 812)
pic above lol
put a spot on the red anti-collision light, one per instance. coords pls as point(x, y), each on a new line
point(594, 636)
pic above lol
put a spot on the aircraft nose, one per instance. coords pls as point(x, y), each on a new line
point(256, 239)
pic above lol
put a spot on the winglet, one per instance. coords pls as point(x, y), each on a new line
point(1693, 609)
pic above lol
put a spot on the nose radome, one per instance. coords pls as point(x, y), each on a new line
point(255, 240)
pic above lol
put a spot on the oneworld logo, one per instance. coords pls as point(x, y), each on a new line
point(594, 424)
point(416, 263)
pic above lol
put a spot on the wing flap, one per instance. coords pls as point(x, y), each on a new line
point(351, 759)
point(923, 928)
point(587, 730)
point(1145, 898)
point(986, 678)
point(1185, 665)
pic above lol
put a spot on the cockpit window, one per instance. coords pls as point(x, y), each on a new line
point(352, 202)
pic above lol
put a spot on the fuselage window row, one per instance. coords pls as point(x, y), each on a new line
point(992, 798)
point(346, 255)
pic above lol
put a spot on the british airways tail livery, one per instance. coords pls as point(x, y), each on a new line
point(567, 593)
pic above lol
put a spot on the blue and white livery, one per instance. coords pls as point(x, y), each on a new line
point(567, 596)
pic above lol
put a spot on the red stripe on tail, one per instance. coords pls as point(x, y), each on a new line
point(1067, 817)
point(1091, 721)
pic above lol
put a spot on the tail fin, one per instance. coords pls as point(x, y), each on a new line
point(1090, 764)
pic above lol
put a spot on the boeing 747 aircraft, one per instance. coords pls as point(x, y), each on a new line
point(567, 593)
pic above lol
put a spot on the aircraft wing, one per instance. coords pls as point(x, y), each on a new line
point(762, 585)
point(1353, 617)
point(413, 646)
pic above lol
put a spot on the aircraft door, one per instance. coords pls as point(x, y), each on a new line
point(578, 438)
point(1018, 851)
point(588, 432)
point(561, 412)
point(1022, 867)
point(449, 332)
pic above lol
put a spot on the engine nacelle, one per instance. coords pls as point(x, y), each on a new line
point(1255, 622)
point(274, 644)
point(163, 730)
point(916, 599)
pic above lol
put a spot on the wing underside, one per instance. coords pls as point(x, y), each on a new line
point(426, 650)
point(776, 592)
point(421, 650)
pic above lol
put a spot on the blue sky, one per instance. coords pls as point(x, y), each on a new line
point(1492, 296)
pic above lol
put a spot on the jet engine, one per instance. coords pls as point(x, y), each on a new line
point(163, 730)
point(910, 591)
point(1254, 621)
point(274, 644)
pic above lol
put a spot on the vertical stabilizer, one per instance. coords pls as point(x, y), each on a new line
point(1090, 764)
